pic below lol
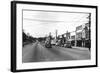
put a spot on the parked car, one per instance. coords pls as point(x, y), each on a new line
point(58, 43)
point(68, 44)
point(53, 42)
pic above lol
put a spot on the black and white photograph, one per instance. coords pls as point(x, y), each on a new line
point(53, 36)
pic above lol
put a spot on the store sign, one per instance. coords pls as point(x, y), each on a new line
point(83, 34)
point(79, 28)
point(78, 36)
point(73, 37)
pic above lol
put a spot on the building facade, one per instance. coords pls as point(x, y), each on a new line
point(83, 35)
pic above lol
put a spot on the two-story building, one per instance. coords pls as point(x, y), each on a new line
point(82, 37)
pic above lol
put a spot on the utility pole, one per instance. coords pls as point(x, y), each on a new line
point(75, 38)
point(89, 30)
point(56, 33)
point(50, 36)
point(49, 33)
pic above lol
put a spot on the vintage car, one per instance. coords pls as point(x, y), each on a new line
point(68, 44)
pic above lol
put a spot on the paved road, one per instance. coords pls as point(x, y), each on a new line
point(36, 52)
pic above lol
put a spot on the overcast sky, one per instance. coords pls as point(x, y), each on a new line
point(40, 23)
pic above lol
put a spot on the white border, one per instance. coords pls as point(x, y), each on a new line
point(21, 65)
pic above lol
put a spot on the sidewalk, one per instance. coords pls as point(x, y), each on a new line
point(81, 48)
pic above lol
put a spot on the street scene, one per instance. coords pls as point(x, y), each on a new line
point(56, 36)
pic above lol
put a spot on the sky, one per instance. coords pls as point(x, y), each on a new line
point(41, 23)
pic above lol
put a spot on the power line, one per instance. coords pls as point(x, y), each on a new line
point(39, 20)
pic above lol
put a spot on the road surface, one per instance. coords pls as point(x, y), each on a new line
point(36, 52)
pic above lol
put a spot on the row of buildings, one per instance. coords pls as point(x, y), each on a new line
point(81, 36)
